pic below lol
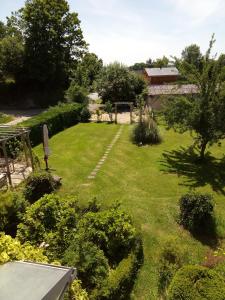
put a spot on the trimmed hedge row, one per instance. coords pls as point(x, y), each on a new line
point(120, 281)
point(57, 118)
point(197, 282)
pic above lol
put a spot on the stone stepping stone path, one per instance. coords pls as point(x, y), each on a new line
point(105, 155)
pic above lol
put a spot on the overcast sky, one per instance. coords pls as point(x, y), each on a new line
point(131, 31)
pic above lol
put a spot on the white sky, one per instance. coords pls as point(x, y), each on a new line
point(132, 31)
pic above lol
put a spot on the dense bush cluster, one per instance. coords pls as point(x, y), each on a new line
point(39, 184)
point(57, 119)
point(196, 282)
point(12, 249)
point(50, 221)
point(196, 212)
point(12, 207)
point(101, 243)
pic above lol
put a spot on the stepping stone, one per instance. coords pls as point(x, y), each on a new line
point(91, 177)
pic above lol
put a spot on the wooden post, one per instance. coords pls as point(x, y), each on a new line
point(116, 113)
point(131, 109)
point(25, 149)
point(7, 162)
point(30, 151)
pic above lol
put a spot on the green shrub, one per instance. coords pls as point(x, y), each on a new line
point(5, 118)
point(119, 283)
point(171, 258)
point(76, 292)
point(12, 249)
point(91, 264)
point(196, 212)
point(196, 282)
point(39, 184)
point(12, 207)
point(50, 220)
point(92, 239)
point(111, 230)
point(220, 268)
point(76, 93)
point(146, 132)
point(57, 119)
point(85, 114)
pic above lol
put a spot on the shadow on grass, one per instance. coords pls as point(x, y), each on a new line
point(207, 235)
point(185, 162)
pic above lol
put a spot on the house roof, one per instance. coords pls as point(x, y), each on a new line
point(170, 71)
point(27, 280)
point(172, 89)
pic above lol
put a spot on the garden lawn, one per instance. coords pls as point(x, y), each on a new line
point(148, 182)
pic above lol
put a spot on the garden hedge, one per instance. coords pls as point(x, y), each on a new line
point(57, 118)
point(119, 283)
point(197, 282)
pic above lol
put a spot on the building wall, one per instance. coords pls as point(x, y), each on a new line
point(162, 79)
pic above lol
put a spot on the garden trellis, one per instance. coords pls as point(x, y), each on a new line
point(123, 103)
point(7, 134)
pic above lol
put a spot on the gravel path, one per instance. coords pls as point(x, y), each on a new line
point(20, 115)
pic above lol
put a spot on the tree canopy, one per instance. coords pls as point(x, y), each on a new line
point(204, 112)
point(39, 46)
point(117, 83)
point(53, 40)
point(192, 55)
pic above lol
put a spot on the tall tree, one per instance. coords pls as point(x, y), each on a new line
point(87, 70)
point(117, 83)
point(11, 49)
point(2, 30)
point(203, 113)
point(161, 62)
point(192, 55)
point(53, 40)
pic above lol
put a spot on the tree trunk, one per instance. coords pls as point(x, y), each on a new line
point(202, 150)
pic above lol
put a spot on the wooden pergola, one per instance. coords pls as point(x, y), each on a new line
point(124, 103)
point(7, 134)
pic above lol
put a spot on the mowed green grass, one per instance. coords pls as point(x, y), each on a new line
point(147, 181)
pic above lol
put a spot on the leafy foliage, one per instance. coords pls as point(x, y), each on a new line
point(192, 55)
point(5, 118)
point(111, 230)
point(50, 53)
point(171, 258)
point(196, 282)
point(39, 184)
point(117, 83)
point(86, 71)
point(12, 249)
point(50, 221)
point(204, 112)
point(76, 292)
point(76, 93)
point(11, 56)
point(196, 211)
point(90, 261)
point(57, 118)
point(109, 110)
point(118, 284)
point(12, 207)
